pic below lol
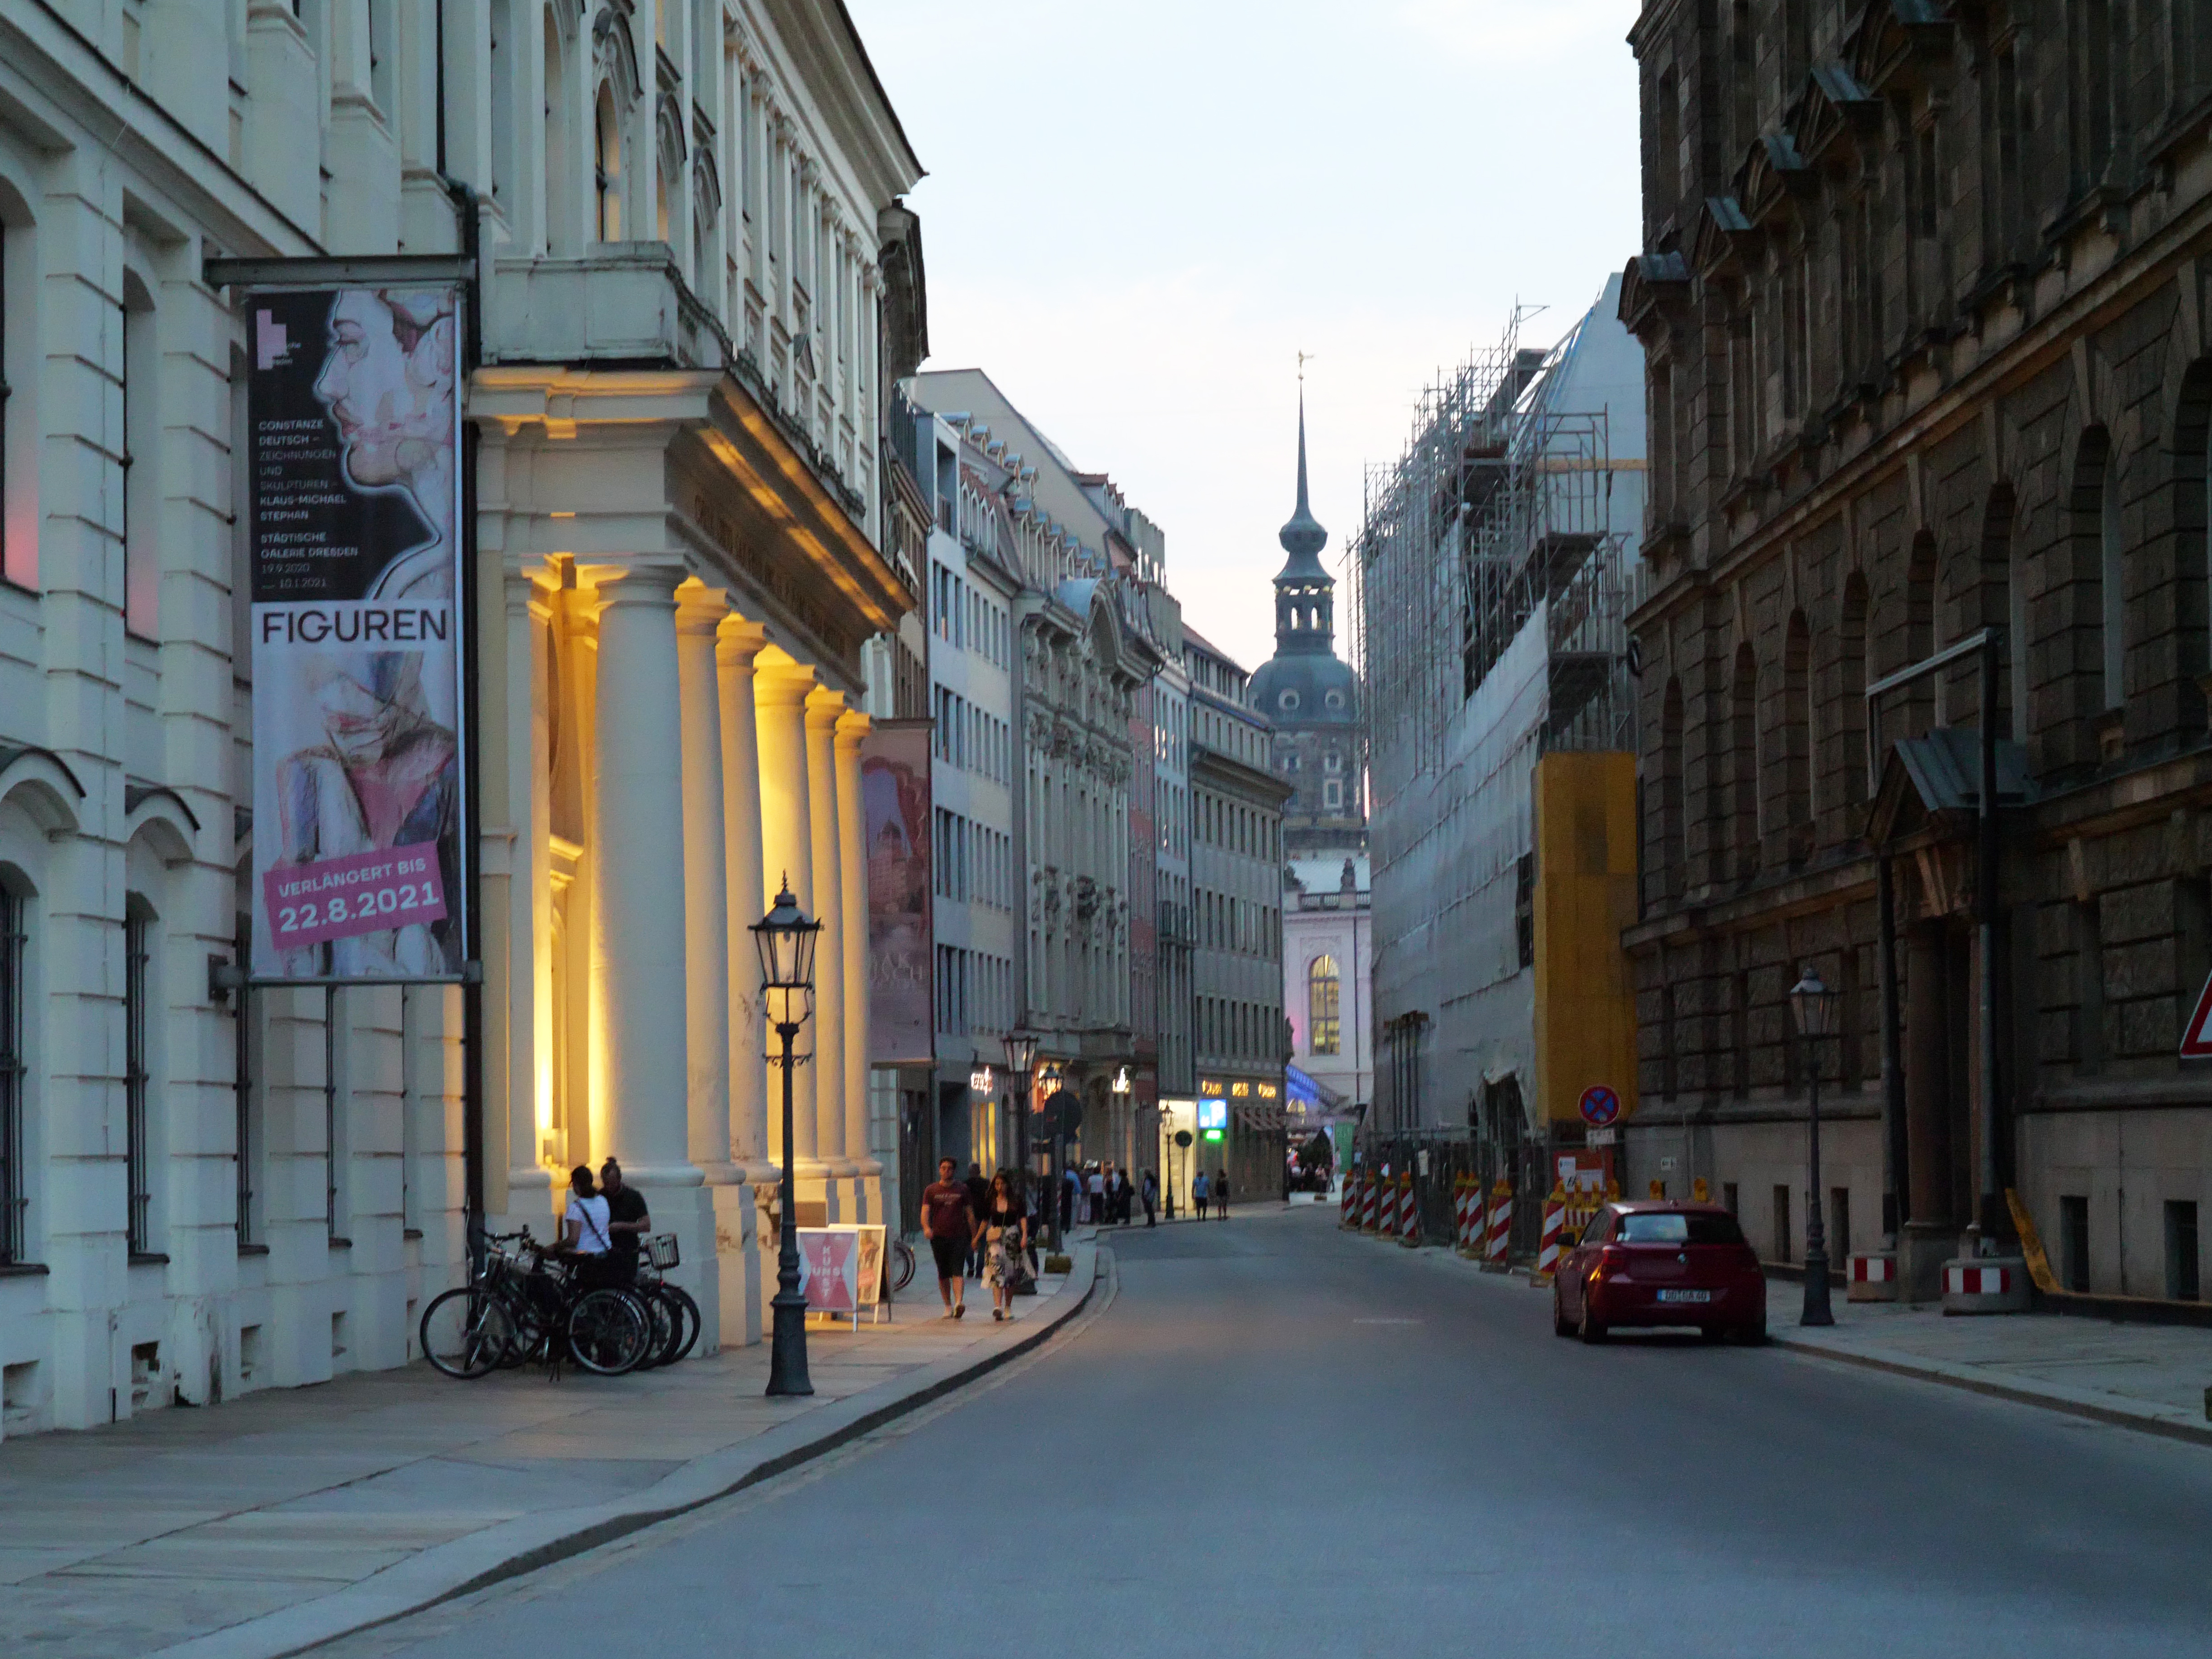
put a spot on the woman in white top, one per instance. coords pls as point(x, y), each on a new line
point(584, 1226)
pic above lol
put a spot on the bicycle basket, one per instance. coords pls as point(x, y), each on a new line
point(660, 1249)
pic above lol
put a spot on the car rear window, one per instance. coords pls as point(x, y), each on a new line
point(1665, 1227)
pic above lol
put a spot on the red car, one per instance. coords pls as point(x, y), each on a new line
point(1660, 1263)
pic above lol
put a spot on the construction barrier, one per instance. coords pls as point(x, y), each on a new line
point(1386, 1211)
point(1462, 1203)
point(1501, 1220)
point(1371, 1206)
point(1409, 1211)
point(1348, 1212)
point(1555, 1221)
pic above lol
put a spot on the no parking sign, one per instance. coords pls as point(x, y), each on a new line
point(1600, 1105)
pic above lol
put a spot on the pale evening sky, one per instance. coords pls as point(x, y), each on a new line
point(1138, 214)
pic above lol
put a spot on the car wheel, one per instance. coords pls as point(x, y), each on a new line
point(1754, 1335)
point(1561, 1325)
point(1590, 1330)
point(1711, 1332)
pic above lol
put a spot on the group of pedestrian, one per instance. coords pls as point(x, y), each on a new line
point(604, 1223)
point(1214, 1189)
point(978, 1229)
point(1098, 1195)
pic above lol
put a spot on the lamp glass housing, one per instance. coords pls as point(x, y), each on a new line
point(1021, 1054)
point(1812, 1005)
point(785, 938)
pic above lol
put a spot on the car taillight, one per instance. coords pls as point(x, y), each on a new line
point(1613, 1259)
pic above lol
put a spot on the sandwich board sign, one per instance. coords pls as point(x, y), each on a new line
point(2196, 1033)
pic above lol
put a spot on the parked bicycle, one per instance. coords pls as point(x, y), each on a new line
point(528, 1302)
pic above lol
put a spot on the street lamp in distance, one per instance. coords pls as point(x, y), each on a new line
point(785, 938)
point(1812, 1005)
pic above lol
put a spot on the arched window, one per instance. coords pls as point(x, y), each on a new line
point(15, 1067)
point(606, 163)
point(1851, 646)
point(1323, 987)
point(138, 1072)
point(1674, 877)
point(1743, 768)
point(2111, 588)
point(1919, 630)
point(1796, 735)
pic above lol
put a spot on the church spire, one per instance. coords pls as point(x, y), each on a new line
point(1303, 538)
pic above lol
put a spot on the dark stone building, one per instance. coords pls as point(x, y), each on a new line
point(1924, 297)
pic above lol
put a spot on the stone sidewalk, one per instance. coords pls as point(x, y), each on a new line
point(2153, 1377)
point(258, 1527)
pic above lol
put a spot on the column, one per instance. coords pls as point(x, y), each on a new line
point(824, 707)
point(853, 863)
point(737, 645)
point(638, 923)
point(1929, 1236)
point(779, 692)
point(706, 882)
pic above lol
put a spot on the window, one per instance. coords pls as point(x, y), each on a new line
point(1332, 795)
point(2110, 587)
point(142, 575)
point(2073, 1241)
point(606, 161)
point(137, 934)
point(1796, 733)
point(1323, 986)
point(2181, 1260)
point(1333, 699)
point(14, 1067)
point(1289, 700)
point(1743, 810)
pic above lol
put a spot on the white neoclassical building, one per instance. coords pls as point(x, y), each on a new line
point(696, 281)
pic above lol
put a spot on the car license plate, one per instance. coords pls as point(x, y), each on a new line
point(1686, 1296)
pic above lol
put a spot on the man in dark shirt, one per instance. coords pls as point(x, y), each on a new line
point(627, 1220)
point(979, 1201)
point(948, 1222)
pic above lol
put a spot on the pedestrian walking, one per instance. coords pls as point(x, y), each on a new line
point(1221, 1195)
point(1198, 1193)
point(1005, 1233)
point(1124, 1196)
point(1070, 1183)
point(1096, 1184)
point(948, 1222)
point(1149, 1190)
point(979, 1192)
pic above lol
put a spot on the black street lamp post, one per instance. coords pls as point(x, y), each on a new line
point(786, 938)
point(1813, 1005)
point(1021, 1060)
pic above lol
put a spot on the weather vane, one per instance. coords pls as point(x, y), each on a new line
point(1305, 357)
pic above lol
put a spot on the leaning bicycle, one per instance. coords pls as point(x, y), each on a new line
point(525, 1301)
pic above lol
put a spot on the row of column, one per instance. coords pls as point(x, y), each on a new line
point(699, 819)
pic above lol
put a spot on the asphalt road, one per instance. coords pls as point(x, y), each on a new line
point(1277, 1440)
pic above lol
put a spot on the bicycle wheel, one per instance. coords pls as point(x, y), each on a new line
point(901, 1264)
point(607, 1331)
point(687, 1322)
point(466, 1332)
point(664, 1325)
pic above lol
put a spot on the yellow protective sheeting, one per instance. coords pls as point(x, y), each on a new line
point(1586, 894)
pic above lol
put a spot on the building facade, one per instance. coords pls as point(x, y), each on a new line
point(1493, 578)
point(1925, 317)
point(1237, 894)
point(683, 318)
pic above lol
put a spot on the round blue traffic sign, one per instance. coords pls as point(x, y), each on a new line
point(1600, 1105)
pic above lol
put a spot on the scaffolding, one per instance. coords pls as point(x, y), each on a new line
point(1500, 504)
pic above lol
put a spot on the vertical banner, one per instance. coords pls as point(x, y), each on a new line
point(354, 510)
point(895, 787)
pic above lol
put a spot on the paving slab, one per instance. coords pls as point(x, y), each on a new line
point(262, 1527)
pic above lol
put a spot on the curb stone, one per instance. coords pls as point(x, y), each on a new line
point(464, 1565)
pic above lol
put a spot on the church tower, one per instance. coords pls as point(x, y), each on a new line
point(1308, 694)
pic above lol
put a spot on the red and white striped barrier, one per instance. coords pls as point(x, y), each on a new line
point(1347, 1213)
point(1998, 1285)
point(1872, 1277)
point(1386, 1212)
point(1409, 1211)
point(1501, 1220)
point(1371, 1206)
point(1555, 1219)
point(1462, 1208)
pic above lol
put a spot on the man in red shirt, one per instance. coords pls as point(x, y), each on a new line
point(948, 1222)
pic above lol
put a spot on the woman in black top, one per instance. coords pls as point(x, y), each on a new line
point(1006, 1236)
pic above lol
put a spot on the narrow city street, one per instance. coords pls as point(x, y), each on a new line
point(1274, 1438)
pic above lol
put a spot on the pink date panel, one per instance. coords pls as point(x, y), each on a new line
point(357, 893)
